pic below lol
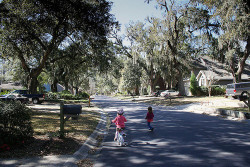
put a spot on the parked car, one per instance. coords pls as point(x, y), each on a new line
point(238, 89)
point(35, 98)
point(10, 97)
point(157, 93)
point(169, 93)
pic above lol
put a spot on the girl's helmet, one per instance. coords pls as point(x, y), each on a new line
point(120, 111)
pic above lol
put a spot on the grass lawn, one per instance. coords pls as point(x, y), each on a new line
point(182, 100)
point(45, 140)
point(175, 100)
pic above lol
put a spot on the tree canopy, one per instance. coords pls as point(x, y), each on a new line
point(68, 40)
point(32, 29)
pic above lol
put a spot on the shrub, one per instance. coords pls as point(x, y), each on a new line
point(52, 96)
point(83, 95)
point(194, 88)
point(203, 91)
point(4, 93)
point(218, 91)
point(66, 95)
point(15, 123)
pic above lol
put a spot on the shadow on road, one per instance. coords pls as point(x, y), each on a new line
point(180, 138)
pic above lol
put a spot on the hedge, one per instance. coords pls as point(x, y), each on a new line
point(15, 123)
point(67, 96)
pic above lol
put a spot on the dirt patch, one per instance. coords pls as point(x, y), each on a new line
point(85, 163)
point(42, 145)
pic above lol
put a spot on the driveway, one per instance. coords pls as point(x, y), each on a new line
point(180, 138)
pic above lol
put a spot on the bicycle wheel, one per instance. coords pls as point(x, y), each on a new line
point(120, 140)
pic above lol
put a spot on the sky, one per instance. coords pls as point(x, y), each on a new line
point(126, 11)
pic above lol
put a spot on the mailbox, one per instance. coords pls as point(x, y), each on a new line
point(72, 109)
point(242, 98)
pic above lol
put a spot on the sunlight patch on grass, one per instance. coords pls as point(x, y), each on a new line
point(49, 123)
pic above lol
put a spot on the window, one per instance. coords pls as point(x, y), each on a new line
point(202, 81)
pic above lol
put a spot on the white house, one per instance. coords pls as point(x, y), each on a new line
point(10, 86)
point(217, 73)
point(209, 70)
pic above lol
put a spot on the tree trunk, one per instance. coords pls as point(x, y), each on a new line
point(137, 90)
point(32, 84)
point(66, 84)
point(181, 84)
point(151, 78)
point(54, 85)
point(77, 90)
point(209, 91)
point(242, 62)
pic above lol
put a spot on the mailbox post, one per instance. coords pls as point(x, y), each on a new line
point(90, 100)
point(61, 120)
point(72, 111)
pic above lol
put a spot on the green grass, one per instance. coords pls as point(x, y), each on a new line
point(68, 101)
point(182, 100)
point(49, 123)
point(174, 101)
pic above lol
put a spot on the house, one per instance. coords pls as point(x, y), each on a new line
point(47, 86)
point(16, 86)
point(10, 86)
point(208, 70)
point(218, 73)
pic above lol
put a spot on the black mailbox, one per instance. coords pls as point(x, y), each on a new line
point(72, 109)
point(242, 98)
point(247, 115)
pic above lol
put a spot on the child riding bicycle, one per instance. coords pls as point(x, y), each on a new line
point(119, 122)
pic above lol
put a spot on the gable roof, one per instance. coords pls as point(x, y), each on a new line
point(219, 71)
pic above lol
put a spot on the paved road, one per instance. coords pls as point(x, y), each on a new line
point(180, 138)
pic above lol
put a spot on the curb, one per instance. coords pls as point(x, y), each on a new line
point(236, 114)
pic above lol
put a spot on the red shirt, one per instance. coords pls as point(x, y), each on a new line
point(150, 117)
point(119, 121)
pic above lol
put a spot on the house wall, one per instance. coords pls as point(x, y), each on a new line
point(10, 87)
point(48, 87)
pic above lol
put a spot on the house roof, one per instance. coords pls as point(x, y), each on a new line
point(219, 71)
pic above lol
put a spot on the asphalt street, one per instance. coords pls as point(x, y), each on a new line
point(179, 139)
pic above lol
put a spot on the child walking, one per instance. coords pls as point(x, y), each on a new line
point(149, 117)
point(119, 122)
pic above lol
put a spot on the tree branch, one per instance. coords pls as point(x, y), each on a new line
point(20, 56)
